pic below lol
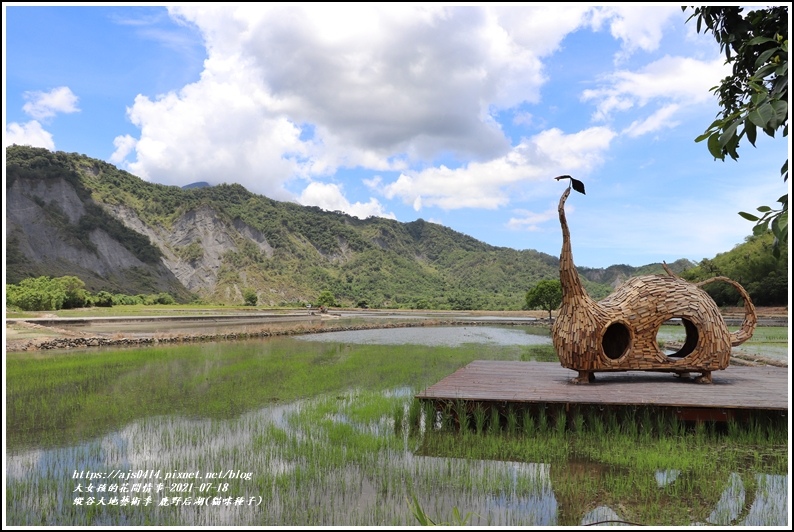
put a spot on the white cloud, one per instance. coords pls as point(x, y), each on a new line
point(530, 221)
point(41, 105)
point(661, 118)
point(220, 129)
point(28, 134)
point(523, 118)
point(301, 91)
point(540, 28)
point(637, 26)
point(124, 145)
point(491, 184)
point(576, 152)
point(329, 196)
point(680, 80)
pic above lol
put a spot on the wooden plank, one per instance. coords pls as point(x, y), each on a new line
point(761, 388)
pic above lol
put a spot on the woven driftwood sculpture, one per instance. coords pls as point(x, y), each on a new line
point(618, 333)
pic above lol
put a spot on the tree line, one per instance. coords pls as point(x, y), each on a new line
point(67, 292)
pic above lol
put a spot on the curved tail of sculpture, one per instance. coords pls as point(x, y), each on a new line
point(569, 277)
point(750, 318)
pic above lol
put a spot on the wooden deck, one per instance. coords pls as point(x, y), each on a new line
point(736, 393)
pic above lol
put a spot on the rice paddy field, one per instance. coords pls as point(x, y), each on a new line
point(324, 430)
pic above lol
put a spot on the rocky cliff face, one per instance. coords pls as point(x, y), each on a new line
point(201, 231)
point(42, 216)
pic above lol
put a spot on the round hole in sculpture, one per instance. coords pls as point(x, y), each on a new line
point(681, 342)
point(616, 340)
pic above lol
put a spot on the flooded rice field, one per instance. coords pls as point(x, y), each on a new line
point(435, 336)
point(323, 430)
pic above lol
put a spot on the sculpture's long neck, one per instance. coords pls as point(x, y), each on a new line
point(569, 278)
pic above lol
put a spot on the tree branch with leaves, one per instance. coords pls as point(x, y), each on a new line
point(755, 95)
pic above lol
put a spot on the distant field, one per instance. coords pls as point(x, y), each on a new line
point(143, 310)
point(177, 310)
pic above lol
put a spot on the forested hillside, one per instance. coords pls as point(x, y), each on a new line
point(69, 214)
point(754, 266)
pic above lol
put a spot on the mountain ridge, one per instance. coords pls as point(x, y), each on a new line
point(69, 214)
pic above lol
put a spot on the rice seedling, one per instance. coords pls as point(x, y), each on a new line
point(332, 436)
point(461, 415)
point(447, 419)
point(480, 418)
point(578, 423)
point(527, 423)
point(398, 418)
point(560, 422)
point(494, 421)
point(543, 419)
point(511, 419)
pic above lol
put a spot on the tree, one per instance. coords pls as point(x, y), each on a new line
point(163, 298)
point(755, 95)
point(36, 293)
point(546, 295)
point(103, 299)
point(250, 297)
point(76, 294)
point(326, 299)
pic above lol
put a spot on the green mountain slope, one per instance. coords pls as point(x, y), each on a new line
point(69, 214)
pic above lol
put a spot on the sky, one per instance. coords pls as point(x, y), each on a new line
point(461, 115)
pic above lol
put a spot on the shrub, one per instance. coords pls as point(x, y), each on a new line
point(250, 297)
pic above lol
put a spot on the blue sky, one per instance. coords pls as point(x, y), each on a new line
point(459, 115)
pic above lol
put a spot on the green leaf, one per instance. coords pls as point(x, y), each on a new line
point(780, 108)
point(764, 57)
point(767, 113)
point(717, 124)
point(704, 136)
point(728, 134)
point(764, 71)
point(577, 185)
point(760, 39)
point(759, 97)
point(782, 222)
point(763, 208)
point(749, 128)
point(714, 146)
point(776, 227)
point(757, 119)
point(748, 216)
point(761, 228)
point(779, 90)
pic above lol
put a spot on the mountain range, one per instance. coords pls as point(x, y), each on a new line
point(70, 214)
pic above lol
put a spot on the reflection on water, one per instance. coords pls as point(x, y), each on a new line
point(305, 476)
point(770, 498)
point(433, 336)
point(668, 476)
point(602, 515)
